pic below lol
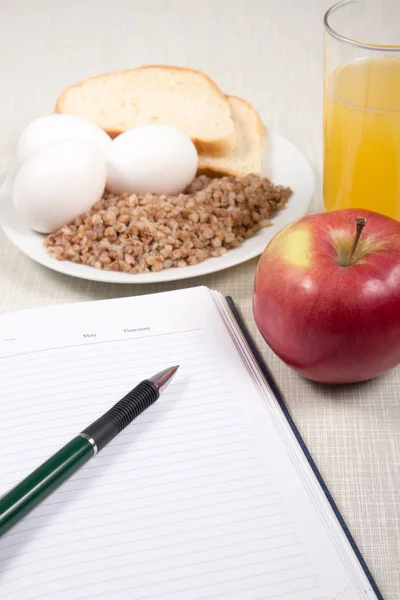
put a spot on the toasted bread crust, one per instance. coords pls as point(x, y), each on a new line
point(205, 168)
point(261, 126)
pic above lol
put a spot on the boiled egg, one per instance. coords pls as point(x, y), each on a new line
point(58, 183)
point(58, 127)
point(151, 158)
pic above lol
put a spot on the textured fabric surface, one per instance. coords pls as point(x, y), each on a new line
point(270, 52)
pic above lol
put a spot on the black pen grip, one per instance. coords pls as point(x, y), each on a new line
point(122, 414)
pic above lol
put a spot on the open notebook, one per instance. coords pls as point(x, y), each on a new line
point(207, 495)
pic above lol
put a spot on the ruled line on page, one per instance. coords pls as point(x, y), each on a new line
point(138, 364)
point(130, 382)
point(227, 518)
point(78, 482)
point(96, 396)
point(197, 561)
point(149, 440)
point(107, 378)
point(199, 586)
point(154, 441)
point(195, 538)
point(234, 580)
point(163, 408)
point(313, 588)
point(113, 450)
point(96, 343)
point(185, 412)
point(231, 421)
point(75, 509)
point(149, 573)
point(67, 492)
point(194, 531)
point(162, 552)
point(122, 511)
point(138, 430)
point(133, 351)
point(220, 506)
point(181, 460)
point(157, 547)
point(77, 397)
point(269, 597)
point(128, 355)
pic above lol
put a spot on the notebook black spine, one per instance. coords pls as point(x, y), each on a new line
point(303, 446)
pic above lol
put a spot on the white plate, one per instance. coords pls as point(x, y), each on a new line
point(284, 165)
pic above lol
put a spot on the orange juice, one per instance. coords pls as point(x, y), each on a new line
point(362, 136)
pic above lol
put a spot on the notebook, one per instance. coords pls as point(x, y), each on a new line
point(210, 494)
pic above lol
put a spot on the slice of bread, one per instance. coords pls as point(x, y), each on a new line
point(246, 158)
point(181, 97)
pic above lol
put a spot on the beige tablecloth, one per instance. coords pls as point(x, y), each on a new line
point(270, 52)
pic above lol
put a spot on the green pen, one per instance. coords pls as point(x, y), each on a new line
point(21, 499)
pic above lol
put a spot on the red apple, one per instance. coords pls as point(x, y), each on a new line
point(327, 295)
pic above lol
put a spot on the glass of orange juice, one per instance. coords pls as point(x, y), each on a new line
point(362, 106)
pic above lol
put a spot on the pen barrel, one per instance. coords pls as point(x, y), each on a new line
point(121, 414)
point(40, 483)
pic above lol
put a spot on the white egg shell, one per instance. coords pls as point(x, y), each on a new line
point(58, 127)
point(59, 183)
point(151, 158)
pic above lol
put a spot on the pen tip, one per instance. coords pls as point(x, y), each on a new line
point(162, 379)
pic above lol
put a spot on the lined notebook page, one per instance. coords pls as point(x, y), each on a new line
point(205, 496)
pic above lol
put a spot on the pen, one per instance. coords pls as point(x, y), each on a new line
point(17, 502)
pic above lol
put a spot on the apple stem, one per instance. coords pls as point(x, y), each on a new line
point(360, 224)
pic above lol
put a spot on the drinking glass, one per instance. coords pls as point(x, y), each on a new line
point(362, 106)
